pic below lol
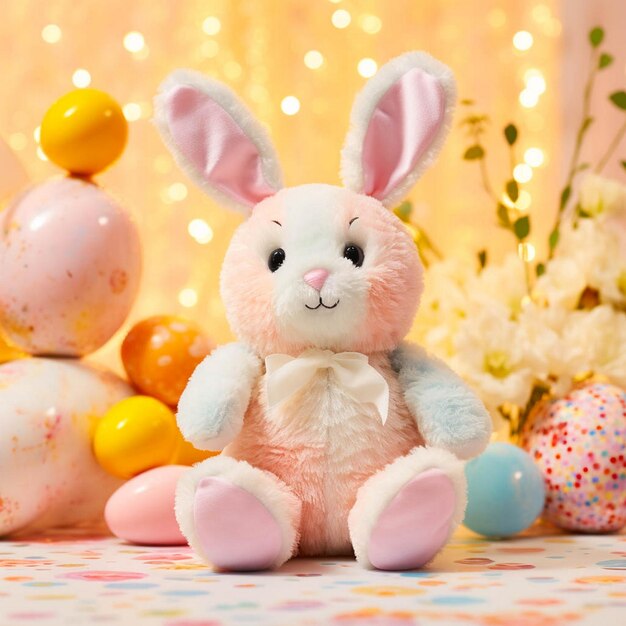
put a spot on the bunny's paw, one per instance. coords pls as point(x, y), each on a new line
point(237, 517)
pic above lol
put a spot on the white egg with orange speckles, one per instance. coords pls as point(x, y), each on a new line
point(48, 412)
point(71, 263)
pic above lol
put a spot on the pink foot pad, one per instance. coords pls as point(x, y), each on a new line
point(235, 530)
point(415, 524)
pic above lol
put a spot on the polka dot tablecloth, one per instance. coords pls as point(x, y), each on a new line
point(542, 579)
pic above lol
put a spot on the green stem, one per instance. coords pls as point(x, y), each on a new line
point(484, 174)
point(580, 135)
point(611, 149)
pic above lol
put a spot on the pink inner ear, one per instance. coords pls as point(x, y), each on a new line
point(213, 142)
point(401, 129)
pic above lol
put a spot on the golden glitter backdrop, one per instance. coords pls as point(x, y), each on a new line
point(298, 65)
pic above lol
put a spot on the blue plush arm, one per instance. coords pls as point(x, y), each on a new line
point(213, 405)
point(448, 413)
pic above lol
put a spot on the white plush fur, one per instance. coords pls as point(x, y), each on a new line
point(212, 407)
point(273, 494)
point(365, 105)
point(378, 491)
point(223, 96)
point(447, 411)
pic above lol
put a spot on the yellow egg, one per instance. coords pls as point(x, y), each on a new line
point(84, 131)
point(135, 435)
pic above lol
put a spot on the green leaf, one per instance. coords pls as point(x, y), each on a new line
point(482, 258)
point(618, 98)
point(554, 238)
point(623, 164)
point(473, 153)
point(565, 194)
point(512, 190)
point(503, 216)
point(510, 132)
point(596, 36)
point(605, 60)
point(403, 210)
point(521, 227)
point(581, 212)
point(540, 270)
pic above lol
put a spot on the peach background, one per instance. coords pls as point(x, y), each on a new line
point(259, 51)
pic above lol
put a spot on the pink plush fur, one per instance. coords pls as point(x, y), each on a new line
point(325, 462)
point(322, 462)
point(394, 275)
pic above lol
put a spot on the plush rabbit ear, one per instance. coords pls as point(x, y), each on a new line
point(216, 140)
point(398, 125)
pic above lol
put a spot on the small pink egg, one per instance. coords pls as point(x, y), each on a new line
point(142, 510)
point(71, 263)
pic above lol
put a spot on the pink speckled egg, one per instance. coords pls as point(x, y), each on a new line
point(71, 263)
point(48, 411)
point(579, 442)
point(142, 510)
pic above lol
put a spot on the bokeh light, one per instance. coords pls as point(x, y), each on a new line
point(81, 78)
point(188, 297)
point(367, 67)
point(134, 41)
point(313, 59)
point(522, 173)
point(51, 33)
point(211, 25)
point(290, 105)
point(370, 24)
point(523, 40)
point(341, 18)
point(534, 157)
point(200, 230)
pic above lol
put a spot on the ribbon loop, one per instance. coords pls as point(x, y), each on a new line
point(286, 375)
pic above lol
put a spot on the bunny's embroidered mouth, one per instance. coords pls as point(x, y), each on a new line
point(313, 308)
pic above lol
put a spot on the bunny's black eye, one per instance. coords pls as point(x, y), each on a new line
point(355, 254)
point(276, 259)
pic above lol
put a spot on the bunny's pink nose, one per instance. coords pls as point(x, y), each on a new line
point(316, 278)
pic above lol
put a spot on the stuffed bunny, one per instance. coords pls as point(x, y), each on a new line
point(338, 437)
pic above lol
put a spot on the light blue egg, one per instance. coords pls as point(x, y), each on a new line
point(505, 491)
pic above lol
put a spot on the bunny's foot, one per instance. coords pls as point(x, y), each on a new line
point(405, 513)
point(237, 517)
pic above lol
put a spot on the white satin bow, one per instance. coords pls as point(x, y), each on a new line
point(362, 382)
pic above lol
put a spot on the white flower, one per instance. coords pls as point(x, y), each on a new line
point(490, 356)
point(503, 283)
point(562, 284)
point(444, 304)
point(596, 340)
point(589, 255)
point(602, 196)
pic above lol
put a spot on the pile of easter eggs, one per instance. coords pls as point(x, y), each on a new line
point(71, 264)
point(72, 433)
point(138, 438)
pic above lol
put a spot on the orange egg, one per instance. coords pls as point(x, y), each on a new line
point(160, 353)
point(186, 454)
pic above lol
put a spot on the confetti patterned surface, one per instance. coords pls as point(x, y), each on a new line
point(538, 580)
point(579, 441)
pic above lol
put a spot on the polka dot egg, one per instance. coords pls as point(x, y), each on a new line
point(579, 442)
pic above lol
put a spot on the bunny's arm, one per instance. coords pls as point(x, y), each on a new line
point(448, 413)
point(213, 405)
